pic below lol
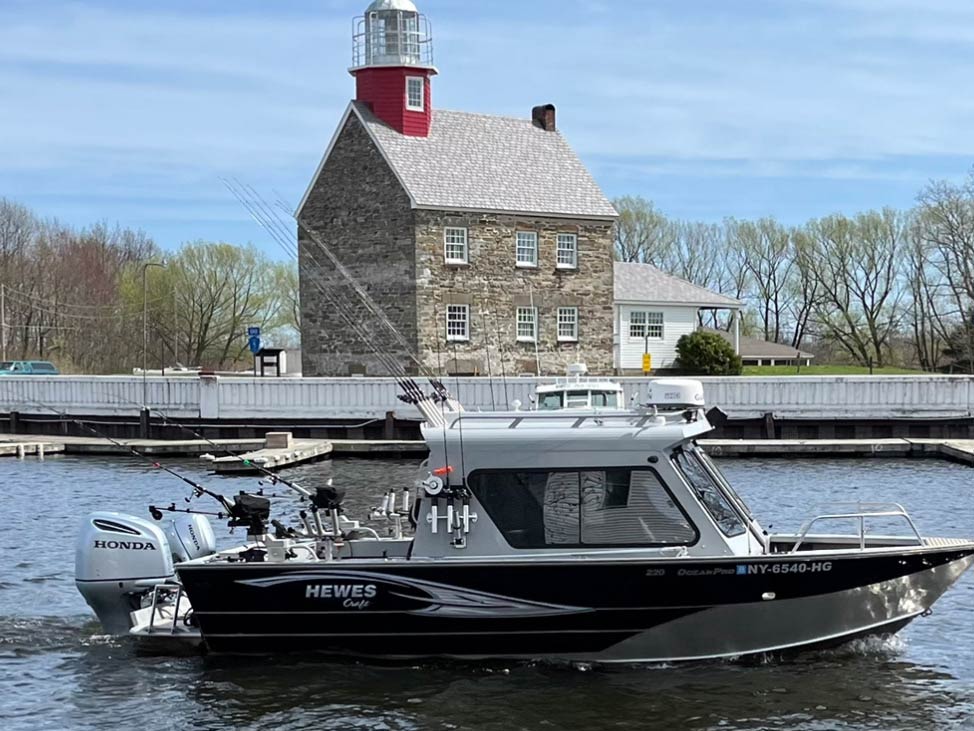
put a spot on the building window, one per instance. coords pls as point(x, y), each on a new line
point(567, 257)
point(644, 324)
point(415, 86)
point(527, 249)
point(567, 324)
point(455, 245)
point(458, 322)
point(527, 324)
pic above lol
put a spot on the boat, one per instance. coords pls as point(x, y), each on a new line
point(603, 536)
point(578, 390)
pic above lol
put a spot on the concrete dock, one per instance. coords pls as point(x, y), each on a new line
point(198, 447)
point(279, 450)
point(29, 448)
point(955, 450)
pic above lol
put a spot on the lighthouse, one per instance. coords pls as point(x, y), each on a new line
point(392, 62)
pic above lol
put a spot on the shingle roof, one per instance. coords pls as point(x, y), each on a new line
point(483, 162)
point(757, 348)
point(645, 283)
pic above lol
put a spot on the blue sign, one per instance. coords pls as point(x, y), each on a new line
point(254, 343)
point(253, 332)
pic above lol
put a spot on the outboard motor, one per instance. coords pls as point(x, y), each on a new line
point(190, 536)
point(115, 558)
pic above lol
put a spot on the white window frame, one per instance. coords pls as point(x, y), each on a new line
point(567, 316)
point(452, 236)
point(421, 107)
point(530, 317)
point(533, 235)
point(458, 314)
point(645, 324)
point(572, 249)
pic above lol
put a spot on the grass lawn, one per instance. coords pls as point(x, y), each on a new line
point(825, 370)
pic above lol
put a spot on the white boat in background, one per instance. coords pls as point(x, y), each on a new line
point(578, 390)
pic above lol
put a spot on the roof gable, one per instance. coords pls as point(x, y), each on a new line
point(484, 163)
point(634, 282)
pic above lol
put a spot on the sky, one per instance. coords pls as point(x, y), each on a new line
point(133, 112)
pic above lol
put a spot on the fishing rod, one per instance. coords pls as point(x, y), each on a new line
point(271, 476)
point(198, 489)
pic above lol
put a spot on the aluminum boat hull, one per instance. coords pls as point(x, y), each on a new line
point(594, 609)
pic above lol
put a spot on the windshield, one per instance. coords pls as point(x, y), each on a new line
point(689, 465)
point(715, 471)
point(6, 365)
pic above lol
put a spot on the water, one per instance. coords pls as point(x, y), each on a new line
point(57, 672)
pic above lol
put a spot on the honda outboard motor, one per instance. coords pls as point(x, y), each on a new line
point(190, 536)
point(116, 556)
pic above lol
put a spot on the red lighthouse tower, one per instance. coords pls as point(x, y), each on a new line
point(392, 62)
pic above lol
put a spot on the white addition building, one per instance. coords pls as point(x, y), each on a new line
point(653, 310)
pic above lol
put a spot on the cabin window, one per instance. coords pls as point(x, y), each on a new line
point(608, 399)
point(550, 401)
point(643, 324)
point(458, 322)
point(708, 491)
point(526, 249)
point(567, 253)
point(562, 509)
point(415, 86)
point(577, 400)
point(455, 245)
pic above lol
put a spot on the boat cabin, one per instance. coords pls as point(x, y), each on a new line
point(577, 391)
point(561, 483)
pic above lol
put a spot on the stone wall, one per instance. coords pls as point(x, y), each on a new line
point(360, 212)
point(493, 287)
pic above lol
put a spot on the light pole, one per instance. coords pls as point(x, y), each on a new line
point(145, 330)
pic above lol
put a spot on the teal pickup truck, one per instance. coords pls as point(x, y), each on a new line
point(27, 368)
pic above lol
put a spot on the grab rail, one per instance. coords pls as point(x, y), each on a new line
point(897, 511)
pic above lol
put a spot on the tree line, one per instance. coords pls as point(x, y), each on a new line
point(75, 296)
point(882, 287)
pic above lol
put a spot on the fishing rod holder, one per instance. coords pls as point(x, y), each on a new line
point(456, 514)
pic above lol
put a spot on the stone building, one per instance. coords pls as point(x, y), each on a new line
point(484, 241)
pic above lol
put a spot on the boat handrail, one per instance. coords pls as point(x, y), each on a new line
point(897, 511)
point(636, 419)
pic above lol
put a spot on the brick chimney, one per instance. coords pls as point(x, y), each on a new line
point(543, 116)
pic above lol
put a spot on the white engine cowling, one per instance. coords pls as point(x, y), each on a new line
point(115, 555)
point(190, 536)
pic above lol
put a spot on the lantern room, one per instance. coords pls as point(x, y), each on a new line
point(392, 62)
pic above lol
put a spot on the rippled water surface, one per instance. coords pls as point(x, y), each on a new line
point(58, 672)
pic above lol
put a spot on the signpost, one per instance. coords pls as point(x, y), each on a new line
point(253, 342)
point(647, 363)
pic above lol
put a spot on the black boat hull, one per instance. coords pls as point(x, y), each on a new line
point(584, 610)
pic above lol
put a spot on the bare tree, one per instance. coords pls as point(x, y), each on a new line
point(765, 247)
point(945, 232)
point(859, 266)
point(643, 234)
